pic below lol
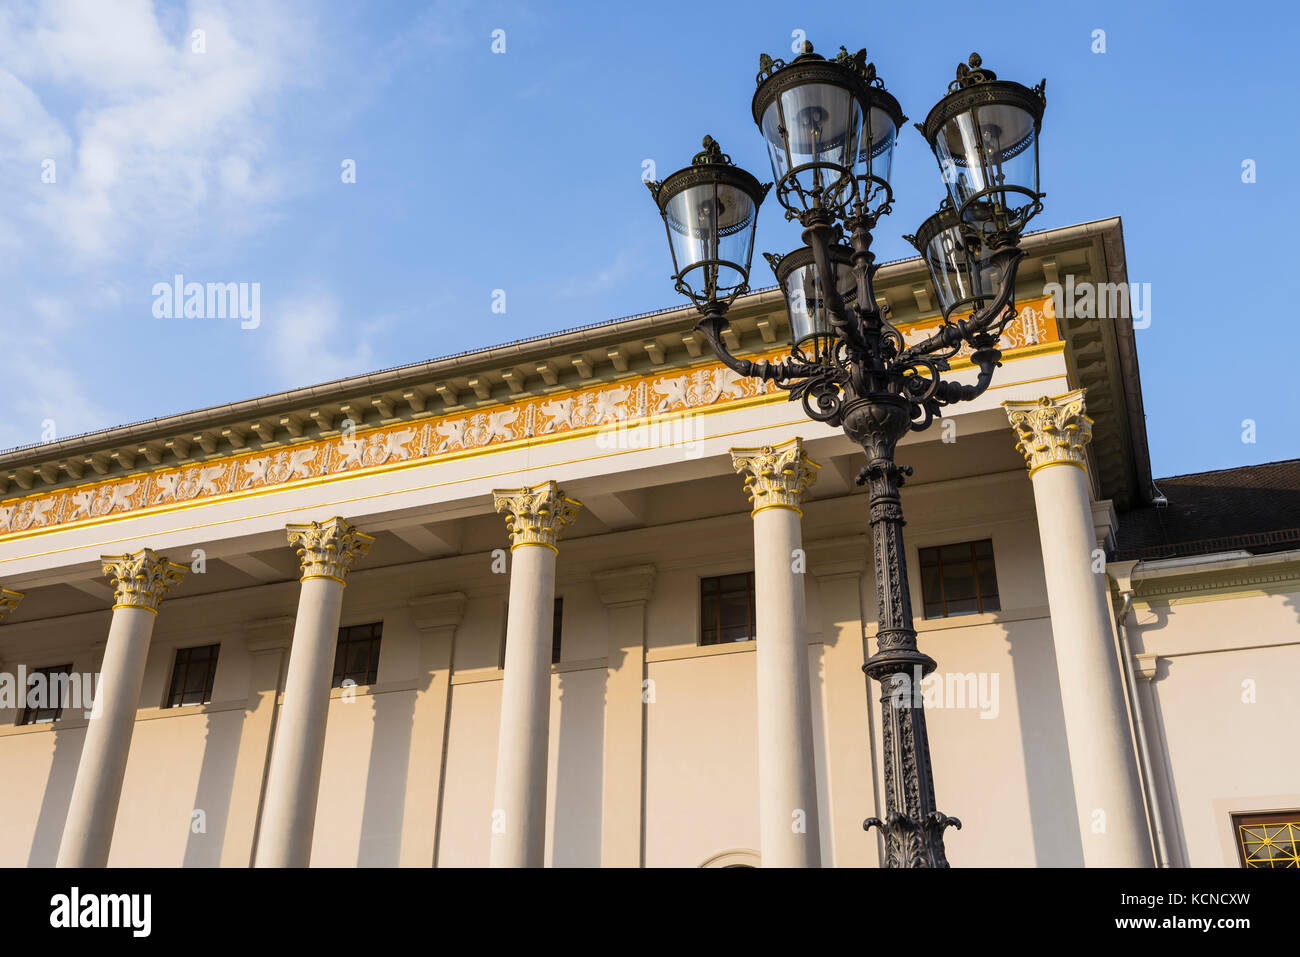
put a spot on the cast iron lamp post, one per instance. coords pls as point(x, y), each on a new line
point(830, 128)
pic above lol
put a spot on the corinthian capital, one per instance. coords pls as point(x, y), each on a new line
point(776, 476)
point(1051, 431)
point(328, 549)
point(8, 601)
point(141, 579)
point(534, 516)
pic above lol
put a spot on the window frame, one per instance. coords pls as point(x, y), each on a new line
point(27, 716)
point(751, 624)
point(340, 673)
point(980, 599)
point(1240, 819)
point(209, 680)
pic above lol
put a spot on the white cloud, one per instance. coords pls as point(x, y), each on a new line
point(162, 157)
point(44, 389)
point(311, 343)
point(161, 135)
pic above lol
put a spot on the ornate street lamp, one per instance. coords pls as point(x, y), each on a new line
point(830, 128)
point(805, 301)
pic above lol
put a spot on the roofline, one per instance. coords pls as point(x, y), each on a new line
point(1231, 468)
point(574, 339)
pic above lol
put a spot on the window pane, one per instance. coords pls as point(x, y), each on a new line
point(962, 606)
point(930, 585)
point(192, 676)
point(955, 554)
point(727, 608)
point(46, 704)
point(958, 579)
point(357, 657)
point(1269, 840)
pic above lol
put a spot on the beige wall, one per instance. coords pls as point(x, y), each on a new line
point(1222, 711)
point(1006, 776)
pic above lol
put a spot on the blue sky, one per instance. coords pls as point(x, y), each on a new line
point(521, 171)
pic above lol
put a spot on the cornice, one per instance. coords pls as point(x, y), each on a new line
point(466, 382)
point(1262, 579)
point(529, 420)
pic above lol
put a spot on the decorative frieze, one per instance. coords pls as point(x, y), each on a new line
point(1051, 431)
point(403, 443)
point(141, 579)
point(535, 516)
point(328, 549)
point(776, 476)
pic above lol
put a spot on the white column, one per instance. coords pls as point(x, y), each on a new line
point(1052, 434)
point(139, 583)
point(534, 517)
point(776, 479)
point(326, 550)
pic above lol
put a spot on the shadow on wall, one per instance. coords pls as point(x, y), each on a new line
point(576, 835)
point(1053, 813)
point(385, 802)
point(215, 787)
point(57, 797)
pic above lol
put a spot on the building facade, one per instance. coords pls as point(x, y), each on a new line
point(592, 600)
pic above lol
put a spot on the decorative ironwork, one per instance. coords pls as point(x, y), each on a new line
point(865, 379)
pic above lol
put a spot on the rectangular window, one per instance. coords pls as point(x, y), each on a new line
point(357, 658)
point(959, 579)
point(1268, 840)
point(192, 676)
point(45, 690)
point(727, 609)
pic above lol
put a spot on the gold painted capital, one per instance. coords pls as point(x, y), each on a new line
point(141, 579)
point(8, 601)
point(776, 476)
point(535, 516)
point(328, 549)
point(1051, 431)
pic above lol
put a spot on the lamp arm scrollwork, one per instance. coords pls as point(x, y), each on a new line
point(711, 325)
point(991, 318)
point(949, 393)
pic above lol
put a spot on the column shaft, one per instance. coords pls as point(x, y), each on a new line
point(326, 551)
point(519, 807)
point(787, 772)
point(88, 833)
point(534, 517)
point(1112, 820)
point(139, 582)
point(292, 788)
point(1052, 434)
point(776, 478)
